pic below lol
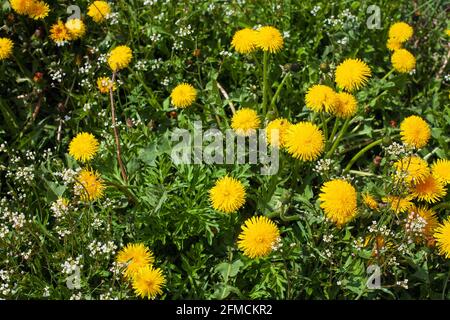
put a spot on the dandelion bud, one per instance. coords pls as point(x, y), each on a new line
point(324, 66)
point(197, 52)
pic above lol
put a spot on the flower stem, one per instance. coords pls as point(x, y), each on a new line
point(387, 75)
point(116, 131)
point(277, 93)
point(265, 84)
point(333, 132)
point(324, 125)
point(361, 152)
point(339, 137)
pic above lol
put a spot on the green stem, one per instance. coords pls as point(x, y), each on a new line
point(339, 137)
point(324, 125)
point(277, 93)
point(265, 85)
point(387, 75)
point(361, 152)
point(333, 132)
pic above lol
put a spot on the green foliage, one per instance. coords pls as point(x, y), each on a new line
point(167, 206)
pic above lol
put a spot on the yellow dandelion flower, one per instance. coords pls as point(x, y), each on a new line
point(441, 170)
point(277, 128)
point(183, 95)
point(134, 256)
point(6, 48)
point(89, 186)
point(76, 28)
point(83, 147)
point(269, 39)
point(119, 58)
point(352, 74)
point(398, 204)
point(99, 10)
point(305, 141)
point(227, 195)
point(59, 33)
point(430, 190)
point(321, 98)
point(442, 236)
point(244, 41)
point(104, 84)
point(21, 6)
point(400, 32)
point(148, 282)
point(428, 215)
point(245, 122)
point(258, 236)
point(415, 132)
point(338, 200)
point(370, 201)
point(346, 105)
point(411, 169)
point(393, 44)
point(447, 32)
point(403, 61)
point(38, 10)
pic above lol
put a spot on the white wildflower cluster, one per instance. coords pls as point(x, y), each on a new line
point(57, 75)
point(345, 19)
point(277, 244)
point(60, 208)
point(108, 295)
point(393, 262)
point(155, 37)
point(211, 7)
point(178, 45)
point(113, 18)
point(328, 253)
point(27, 253)
point(286, 34)
point(141, 65)
point(47, 153)
point(85, 83)
point(46, 292)
point(116, 270)
point(155, 64)
point(21, 174)
point(349, 178)
point(68, 175)
point(323, 166)
point(327, 238)
point(380, 230)
point(102, 58)
point(86, 68)
point(358, 243)
point(225, 53)
point(97, 248)
point(150, 2)
point(447, 78)
point(62, 232)
point(414, 226)
point(403, 283)
point(11, 221)
point(184, 31)
point(86, 107)
point(71, 265)
point(343, 41)
point(76, 296)
point(396, 150)
point(3, 146)
point(315, 10)
point(165, 82)
point(6, 286)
